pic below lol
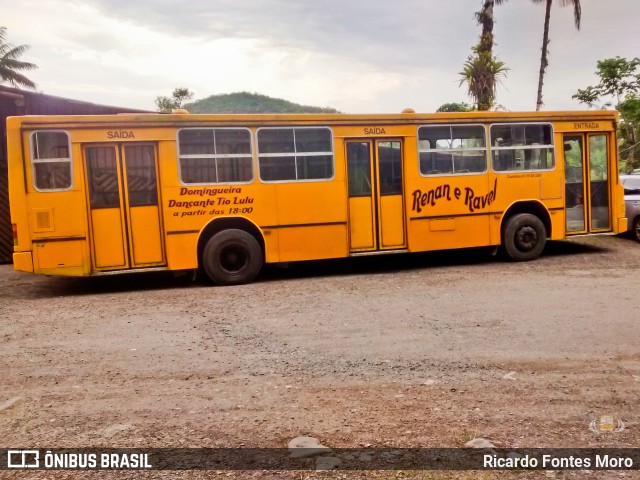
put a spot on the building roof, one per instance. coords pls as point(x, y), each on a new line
point(26, 102)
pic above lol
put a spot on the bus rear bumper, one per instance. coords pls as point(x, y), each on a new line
point(23, 262)
point(623, 225)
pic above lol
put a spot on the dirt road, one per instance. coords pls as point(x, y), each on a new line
point(425, 350)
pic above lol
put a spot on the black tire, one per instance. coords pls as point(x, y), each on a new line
point(635, 229)
point(232, 257)
point(524, 237)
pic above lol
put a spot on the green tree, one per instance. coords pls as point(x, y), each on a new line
point(629, 132)
point(619, 82)
point(589, 96)
point(176, 100)
point(482, 70)
point(455, 107)
point(10, 65)
point(544, 58)
point(618, 77)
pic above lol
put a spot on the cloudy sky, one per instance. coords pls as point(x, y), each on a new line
point(357, 56)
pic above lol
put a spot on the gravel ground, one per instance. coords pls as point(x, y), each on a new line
point(423, 350)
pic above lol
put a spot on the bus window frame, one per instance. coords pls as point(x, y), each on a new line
point(69, 159)
point(454, 174)
point(202, 184)
point(304, 180)
point(523, 147)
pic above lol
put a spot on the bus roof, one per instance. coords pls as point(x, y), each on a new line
point(185, 119)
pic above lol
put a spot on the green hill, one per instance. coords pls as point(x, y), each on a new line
point(245, 102)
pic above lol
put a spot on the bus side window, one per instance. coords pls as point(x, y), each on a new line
point(452, 149)
point(294, 154)
point(51, 160)
point(522, 147)
point(215, 155)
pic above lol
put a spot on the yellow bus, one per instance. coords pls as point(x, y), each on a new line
point(97, 195)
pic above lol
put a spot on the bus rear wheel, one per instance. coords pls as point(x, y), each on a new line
point(232, 257)
point(524, 237)
point(635, 230)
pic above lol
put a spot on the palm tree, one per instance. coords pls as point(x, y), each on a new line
point(544, 61)
point(482, 70)
point(486, 19)
point(481, 73)
point(9, 63)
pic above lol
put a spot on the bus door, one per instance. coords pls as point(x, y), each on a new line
point(376, 203)
point(125, 225)
point(587, 171)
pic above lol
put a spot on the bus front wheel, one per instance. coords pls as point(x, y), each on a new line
point(232, 257)
point(524, 237)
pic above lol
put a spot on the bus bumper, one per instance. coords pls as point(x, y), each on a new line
point(23, 262)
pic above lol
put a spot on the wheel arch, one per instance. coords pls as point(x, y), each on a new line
point(219, 224)
point(532, 207)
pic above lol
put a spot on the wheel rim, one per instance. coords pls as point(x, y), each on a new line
point(526, 238)
point(233, 258)
point(636, 231)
